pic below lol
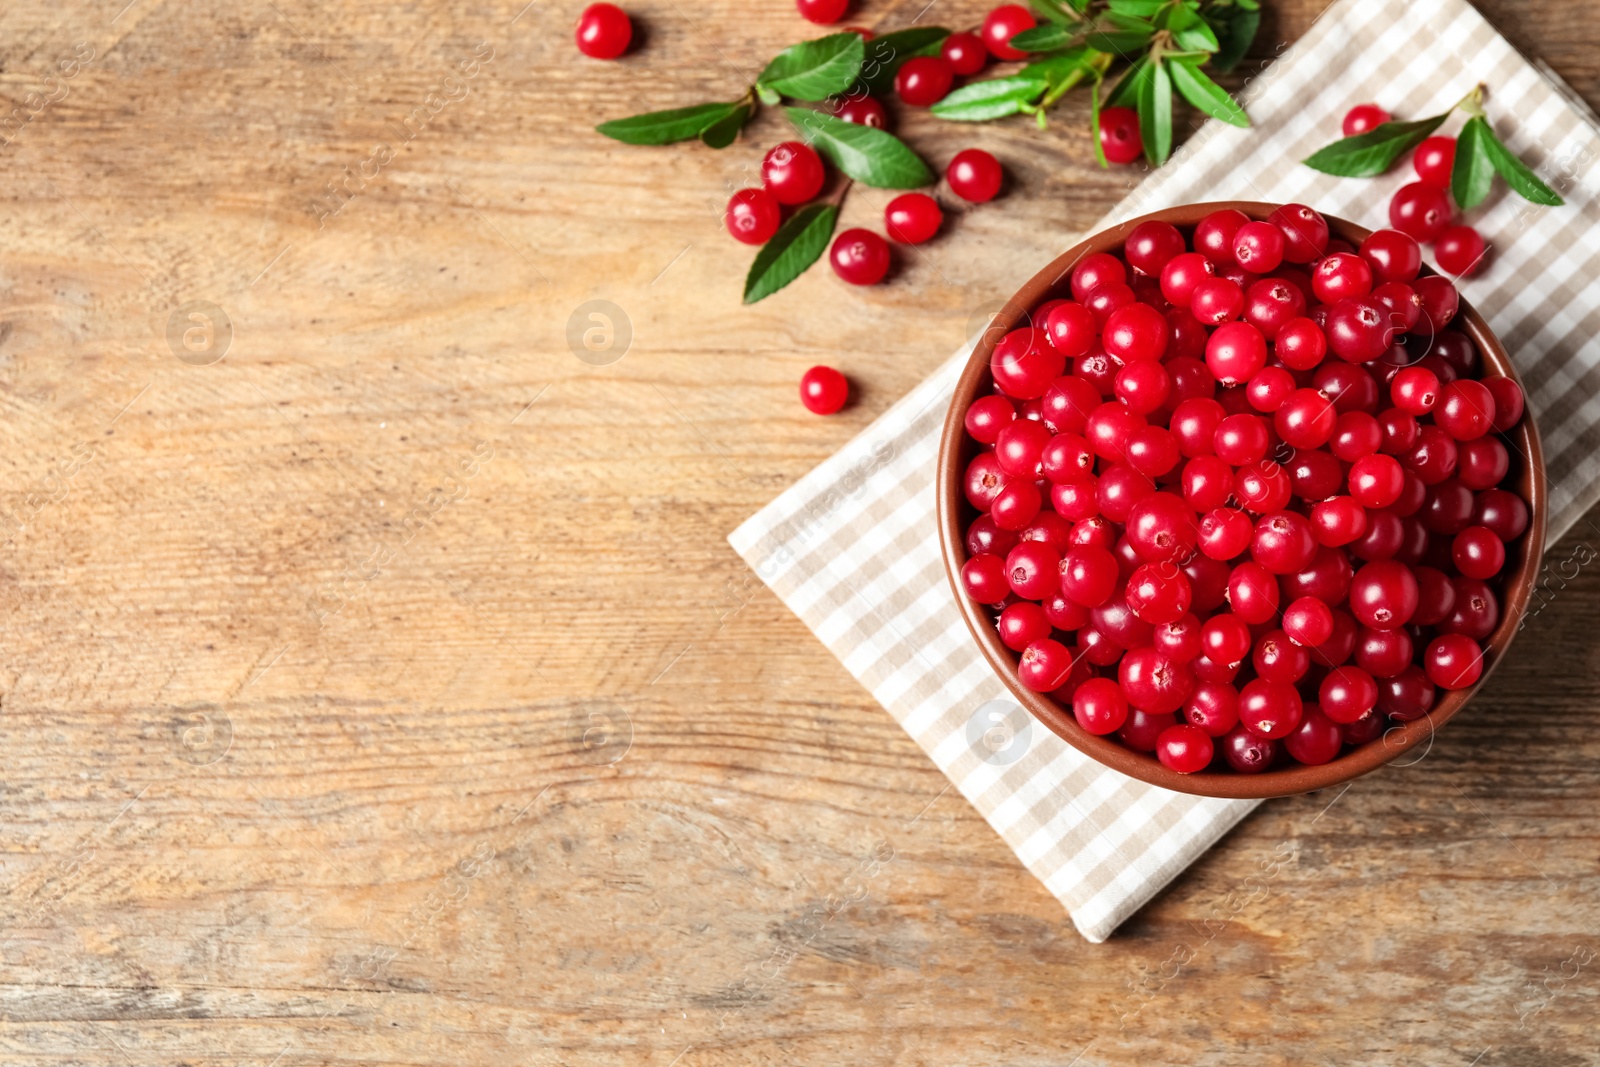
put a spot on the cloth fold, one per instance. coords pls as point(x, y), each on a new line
point(853, 547)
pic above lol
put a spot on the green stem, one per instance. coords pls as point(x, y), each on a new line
point(1472, 103)
point(1096, 66)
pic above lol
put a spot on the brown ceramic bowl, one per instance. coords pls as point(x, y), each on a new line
point(957, 449)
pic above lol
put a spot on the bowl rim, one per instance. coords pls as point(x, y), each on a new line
point(955, 449)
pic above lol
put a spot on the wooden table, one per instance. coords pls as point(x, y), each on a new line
point(385, 692)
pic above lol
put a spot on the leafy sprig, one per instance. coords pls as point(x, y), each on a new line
point(1163, 44)
point(1480, 155)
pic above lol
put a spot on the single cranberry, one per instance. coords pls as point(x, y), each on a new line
point(1213, 707)
point(1105, 300)
point(1186, 339)
point(1022, 624)
point(1161, 528)
point(1305, 233)
point(1436, 597)
point(1184, 748)
point(1235, 351)
point(1421, 210)
point(1338, 521)
point(1365, 729)
point(792, 172)
point(1195, 423)
point(965, 52)
point(1153, 682)
point(1383, 595)
point(824, 390)
point(1283, 543)
point(1314, 475)
point(1107, 430)
point(1483, 463)
point(1071, 328)
point(923, 81)
point(752, 216)
point(1143, 729)
point(1308, 621)
point(1337, 649)
point(1225, 638)
point(1476, 612)
point(1465, 410)
point(1347, 693)
point(860, 257)
point(984, 479)
point(1478, 552)
point(1152, 451)
point(1224, 533)
point(1394, 256)
point(1358, 331)
point(974, 175)
point(1216, 300)
point(984, 536)
point(1119, 134)
point(1049, 528)
point(1253, 591)
point(1376, 481)
point(1415, 390)
point(1400, 431)
point(1341, 276)
point(1433, 458)
point(1316, 740)
point(1241, 439)
point(1016, 504)
point(1044, 665)
point(1434, 160)
point(1120, 488)
point(1138, 332)
point(1096, 648)
point(1158, 593)
point(1440, 302)
point(604, 31)
point(1356, 435)
point(1278, 658)
point(1508, 402)
point(1503, 512)
point(1179, 640)
point(1025, 364)
point(1262, 487)
point(1270, 303)
point(1062, 458)
point(1269, 388)
point(1088, 575)
point(1301, 344)
point(1407, 696)
point(1460, 251)
point(1403, 305)
point(1116, 619)
point(822, 12)
point(1152, 245)
point(1258, 247)
point(1214, 234)
point(1383, 653)
point(1364, 118)
point(861, 110)
point(1351, 388)
point(1246, 752)
point(1002, 24)
point(984, 578)
point(1453, 661)
point(1384, 537)
point(1182, 275)
point(1099, 706)
point(1306, 419)
point(1033, 570)
point(913, 218)
point(1269, 709)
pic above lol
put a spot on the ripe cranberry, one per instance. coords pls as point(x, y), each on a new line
point(1161, 528)
point(1224, 533)
point(1063, 457)
point(1213, 707)
point(1095, 271)
point(1351, 388)
point(1050, 528)
point(1258, 247)
point(1246, 752)
point(1508, 402)
point(984, 578)
point(1306, 419)
point(604, 31)
point(1097, 649)
point(1337, 649)
point(1104, 300)
point(1186, 339)
point(1024, 363)
point(1338, 521)
point(1268, 388)
point(1283, 543)
point(984, 536)
point(1356, 435)
point(1440, 302)
point(1002, 24)
point(1401, 302)
point(1262, 487)
point(1116, 619)
point(1383, 595)
point(974, 175)
point(1143, 729)
point(1465, 410)
point(792, 172)
point(1365, 729)
point(1152, 451)
point(1376, 481)
point(912, 218)
point(861, 110)
point(1305, 233)
point(1107, 430)
point(1503, 512)
point(1235, 351)
point(1453, 661)
point(1184, 748)
point(1158, 593)
point(1314, 475)
point(1347, 693)
point(1269, 709)
point(1099, 706)
point(1180, 640)
point(923, 81)
point(1119, 489)
point(1119, 134)
point(1088, 575)
point(1358, 331)
point(1407, 696)
point(1364, 118)
point(1308, 621)
point(1394, 256)
point(1241, 439)
point(1456, 349)
point(1194, 423)
point(983, 480)
point(1216, 300)
point(1138, 332)
point(1478, 553)
point(1071, 328)
point(1301, 344)
point(1400, 431)
point(1270, 303)
point(1483, 463)
point(1383, 653)
point(752, 216)
point(824, 390)
point(1044, 665)
point(965, 52)
point(822, 12)
point(1415, 390)
point(1152, 245)
point(1277, 658)
point(1016, 504)
point(1421, 210)
point(1022, 624)
point(1020, 447)
point(1341, 276)
point(1182, 276)
point(1253, 591)
point(1460, 251)
point(860, 257)
point(1214, 234)
point(1434, 159)
point(1476, 611)
point(1033, 570)
point(1153, 682)
point(1316, 740)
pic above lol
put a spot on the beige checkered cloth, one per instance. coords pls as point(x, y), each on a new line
point(853, 548)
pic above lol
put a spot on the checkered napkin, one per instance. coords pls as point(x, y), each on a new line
point(853, 548)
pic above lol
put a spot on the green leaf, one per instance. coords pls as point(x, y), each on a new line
point(815, 70)
point(1139, 9)
point(1206, 94)
point(1052, 11)
point(1236, 31)
point(1190, 31)
point(798, 243)
point(1130, 23)
point(1055, 69)
point(1126, 93)
point(872, 157)
point(992, 99)
point(885, 55)
point(1375, 151)
point(1523, 181)
point(1043, 38)
point(1094, 125)
point(1155, 114)
point(721, 134)
point(1473, 172)
point(1118, 44)
point(769, 96)
point(665, 127)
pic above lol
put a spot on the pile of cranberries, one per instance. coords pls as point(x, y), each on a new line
point(1244, 497)
point(1422, 208)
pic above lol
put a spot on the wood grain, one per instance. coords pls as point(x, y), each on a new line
point(385, 692)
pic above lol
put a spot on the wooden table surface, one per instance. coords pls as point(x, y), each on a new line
point(385, 691)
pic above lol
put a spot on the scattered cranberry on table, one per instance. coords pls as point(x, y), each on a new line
point(912, 218)
point(823, 390)
point(604, 31)
point(1120, 139)
point(753, 216)
point(965, 52)
point(974, 175)
point(861, 110)
point(923, 81)
point(1364, 118)
point(1242, 498)
point(860, 257)
point(822, 12)
point(792, 172)
point(1002, 24)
